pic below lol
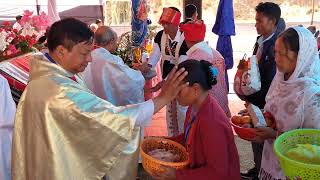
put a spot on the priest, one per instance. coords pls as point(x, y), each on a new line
point(62, 130)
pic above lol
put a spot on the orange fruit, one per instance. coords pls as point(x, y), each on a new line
point(236, 119)
point(246, 120)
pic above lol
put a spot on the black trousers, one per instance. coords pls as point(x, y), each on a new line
point(257, 149)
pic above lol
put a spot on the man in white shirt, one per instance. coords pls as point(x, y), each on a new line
point(109, 78)
point(17, 24)
point(267, 17)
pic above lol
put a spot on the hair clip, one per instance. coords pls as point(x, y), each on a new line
point(214, 71)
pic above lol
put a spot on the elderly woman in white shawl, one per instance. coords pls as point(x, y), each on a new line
point(294, 96)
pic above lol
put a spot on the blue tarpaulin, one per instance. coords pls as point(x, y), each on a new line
point(224, 27)
point(139, 27)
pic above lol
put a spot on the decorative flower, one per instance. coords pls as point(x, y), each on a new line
point(9, 39)
point(15, 31)
point(10, 36)
point(3, 41)
point(12, 41)
point(27, 13)
point(26, 17)
point(12, 49)
point(28, 30)
point(37, 22)
point(7, 25)
point(44, 21)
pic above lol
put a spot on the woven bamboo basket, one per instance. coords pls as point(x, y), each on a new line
point(153, 165)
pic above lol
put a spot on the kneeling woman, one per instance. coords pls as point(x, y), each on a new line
point(208, 136)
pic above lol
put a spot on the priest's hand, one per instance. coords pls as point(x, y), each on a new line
point(174, 83)
point(155, 88)
point(158, 86)
point(143, 67)
point(170, 88)
point(168, 174)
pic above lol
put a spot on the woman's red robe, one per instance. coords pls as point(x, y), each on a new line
point(212, 151)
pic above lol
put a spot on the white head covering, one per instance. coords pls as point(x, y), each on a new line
point(294, 103)
point(287, 100)
point(94, 25)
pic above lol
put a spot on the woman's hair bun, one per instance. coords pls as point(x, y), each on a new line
point(211, 73)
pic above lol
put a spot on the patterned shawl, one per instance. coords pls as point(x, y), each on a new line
point(295, 103)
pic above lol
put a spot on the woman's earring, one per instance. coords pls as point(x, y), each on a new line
point(196, 93)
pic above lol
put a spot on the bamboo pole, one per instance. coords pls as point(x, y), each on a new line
point(312, 16)
point(101, 4)
point(38, 7)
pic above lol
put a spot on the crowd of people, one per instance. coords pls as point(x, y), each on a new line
point(83, 111)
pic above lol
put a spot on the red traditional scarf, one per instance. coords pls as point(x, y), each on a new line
point(170, 16)
point(193, 30)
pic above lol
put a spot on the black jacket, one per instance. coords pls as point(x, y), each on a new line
point(167, 65)
point(267, 68)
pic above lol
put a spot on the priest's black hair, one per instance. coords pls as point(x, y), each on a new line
point(200, 72)
point(68, 32)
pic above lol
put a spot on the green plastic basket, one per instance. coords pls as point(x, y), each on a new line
point(292, 168)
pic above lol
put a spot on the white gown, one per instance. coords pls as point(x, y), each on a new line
point(7, 113)
point(109, 78)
